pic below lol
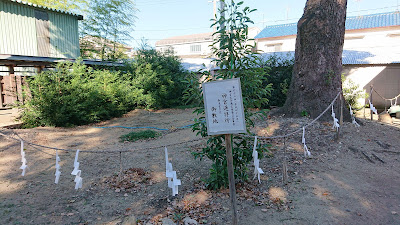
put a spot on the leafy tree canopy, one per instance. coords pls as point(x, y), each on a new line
point(108, 21)
point(65, 5)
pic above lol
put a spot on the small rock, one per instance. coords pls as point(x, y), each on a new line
point(131, 220)
point(126, 195)
point(117, 190)
point(189, 221)
point(264, 210)
point(167, 221)
point(394, 213)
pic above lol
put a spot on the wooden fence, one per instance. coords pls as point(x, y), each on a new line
point(11, 89)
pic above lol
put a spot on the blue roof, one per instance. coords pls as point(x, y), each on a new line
point(349, 57)
point(352, 23)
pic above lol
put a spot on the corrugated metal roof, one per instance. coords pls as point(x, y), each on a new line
point(80, 17)
point(352, 23)
point(351, 57)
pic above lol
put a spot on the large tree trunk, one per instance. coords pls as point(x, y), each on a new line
point(316, 78)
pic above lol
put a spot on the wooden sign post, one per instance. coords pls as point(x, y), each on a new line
point(225, 115)
point(231, 177)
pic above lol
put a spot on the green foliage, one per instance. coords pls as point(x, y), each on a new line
point(139, 135)
point(107, 24)
point(66, 5)
point(352, 92)
point(234, 56)
point(280, 70)
point(160, 76)
point(74, 94)
point(304, 113)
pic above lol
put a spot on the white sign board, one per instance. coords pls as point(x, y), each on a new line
point(224, 107)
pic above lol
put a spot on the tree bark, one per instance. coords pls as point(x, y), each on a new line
point(316, 78)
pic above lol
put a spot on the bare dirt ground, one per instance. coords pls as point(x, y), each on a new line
point(338, 185)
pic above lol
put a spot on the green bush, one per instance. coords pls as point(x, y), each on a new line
point(280, 70)
point(74, 94)
point(160, 76)
point(237, 61)
point(352, 92)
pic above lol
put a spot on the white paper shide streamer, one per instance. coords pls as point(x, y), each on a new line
point(173, 181)
point(257, 169)
point(76, 172)
point(371, 106)
point(335, 121)
point(353, 119)
point(58, 172)
point(307, 153)
point(23, 160)
point(395, 101)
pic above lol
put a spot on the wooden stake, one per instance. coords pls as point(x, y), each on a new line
point(340, 119)
point(231, 177)
point(120, 168)
point(284, 166)
point(1, 93)
point(370, 99)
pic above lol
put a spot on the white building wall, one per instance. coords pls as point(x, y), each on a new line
point(189, 49)
point(384, 79)
point(371, 40)
point(192, 49)
point(376, 41)
point(284, 44)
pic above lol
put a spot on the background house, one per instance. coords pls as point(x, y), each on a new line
point(32, 37)
point(194, 45)
point(92, 47)
point(371, 51)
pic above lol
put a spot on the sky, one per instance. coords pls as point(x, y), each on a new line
point(159, 19)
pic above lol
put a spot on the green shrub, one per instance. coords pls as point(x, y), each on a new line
point(139, 135)
point(160, 76)
point(280, 70)
point(74, 94)
point(352, 92)
point(236, 61)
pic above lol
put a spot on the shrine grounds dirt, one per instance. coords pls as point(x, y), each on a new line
point(338, 185)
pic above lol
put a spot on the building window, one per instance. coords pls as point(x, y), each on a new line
point(195, 48)
point(274, 47)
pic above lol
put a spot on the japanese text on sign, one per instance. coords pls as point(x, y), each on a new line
point(224, 107)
